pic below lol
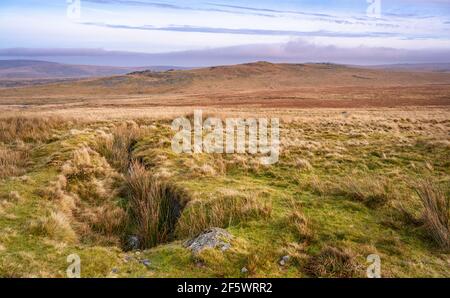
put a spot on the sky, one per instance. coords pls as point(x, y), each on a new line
point(209, 32)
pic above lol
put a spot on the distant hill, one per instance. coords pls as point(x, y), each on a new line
point(259, 83)
point(42, 70)
point(241, 77)
point(421, 67)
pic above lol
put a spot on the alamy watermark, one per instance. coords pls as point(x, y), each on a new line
point(74, 269)
point(241, 136)
point(374, 9)
point(374, 269)
point(73, 9)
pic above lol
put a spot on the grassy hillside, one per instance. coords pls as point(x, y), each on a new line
point(347, 185)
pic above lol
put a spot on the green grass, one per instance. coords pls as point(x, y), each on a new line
point(336, 220)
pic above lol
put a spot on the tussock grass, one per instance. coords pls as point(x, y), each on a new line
point(373, 191)
point(30, 129)
point(12, 162)
point(86, 192)
point(57, 193)
point(117, 147)
point(303, 164)
point(86, 163)
point(154, 206)
point(101, 224)
point(55, 226)
point(435, 213)
point(428, 209)
point(221, 212)
point(333, 262)
point(301, 226)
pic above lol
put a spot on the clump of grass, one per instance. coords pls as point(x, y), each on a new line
point(435, 214)
point(117, 147)
point(303, 164)
point(373, 191)
point(57, 193)
point(301, 227)
point(85, 164)
point(30, 129)
point(56, 226)
point(86, 192)
point(318, 186)
point(332, 262)
point(11, 269)
point(101, 224)
point(221, 212)
point(155, 206)
point(252, 263)
point(14, 196)
point(12, 162)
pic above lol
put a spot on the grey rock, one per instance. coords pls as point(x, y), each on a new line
point(284, 260)
point(146, 262)
point(133, 243)
point(226, 247)
point(211, 238)
point(244, 270)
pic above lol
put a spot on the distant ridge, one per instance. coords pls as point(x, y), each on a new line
point(34, 69)
point(422, 67)
point(243, 77)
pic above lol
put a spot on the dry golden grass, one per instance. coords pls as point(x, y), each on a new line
point(436, 212)
point(55, 226)
point(30, 128)
point(333, 262)
point(372, 191)
point(303, 164)
point(221, 212)
point(117, 147)
point(301, 226)
point(12, 162)
point(85, 192)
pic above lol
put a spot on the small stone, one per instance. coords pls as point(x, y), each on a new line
point(226, 247)
point(133, 243)
point(115, 270)
point(244, 270)
point(284, 260)
point(146, 262)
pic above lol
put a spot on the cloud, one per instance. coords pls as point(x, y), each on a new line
point(249, 31)
point(273, 10)
point(297, 51)
point(170, 6)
